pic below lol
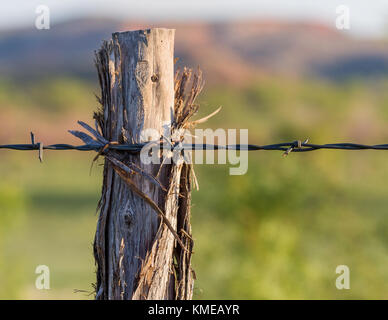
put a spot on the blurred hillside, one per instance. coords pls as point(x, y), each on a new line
point(228, 52)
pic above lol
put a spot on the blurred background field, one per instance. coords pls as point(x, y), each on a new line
point(277, 232)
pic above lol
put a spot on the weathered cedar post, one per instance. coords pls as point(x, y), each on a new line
point(137, 256)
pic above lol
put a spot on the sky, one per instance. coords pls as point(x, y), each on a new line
point(367, 18)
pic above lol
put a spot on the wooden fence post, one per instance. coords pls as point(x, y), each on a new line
point(137, 255)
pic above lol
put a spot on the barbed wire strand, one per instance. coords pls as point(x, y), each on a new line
point(287, 147)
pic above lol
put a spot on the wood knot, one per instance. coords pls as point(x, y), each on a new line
point(128, 217)
point(154, 77)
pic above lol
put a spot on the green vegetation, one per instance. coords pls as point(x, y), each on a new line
point(58, 200)
point(51, 96)
point(277, 232)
